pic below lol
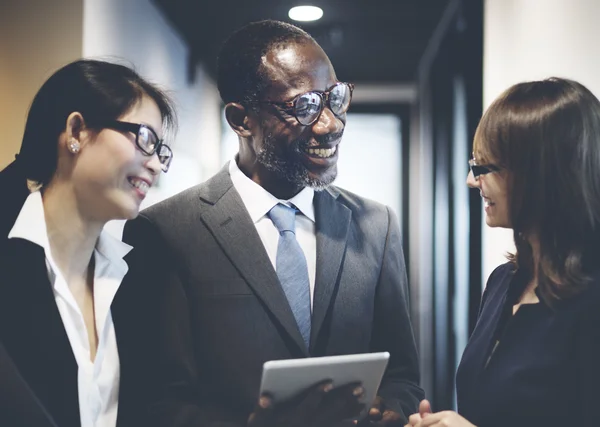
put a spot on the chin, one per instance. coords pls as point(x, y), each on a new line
point(490, 222)
point(128, 211)
point(132, 211)
point(320, 181)
point(493, 223)
point(131, 214)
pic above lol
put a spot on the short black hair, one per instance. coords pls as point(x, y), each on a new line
point(100, 91)
point(240, 77)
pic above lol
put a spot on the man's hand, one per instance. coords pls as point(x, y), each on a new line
point(321, 405)
point(379, 415)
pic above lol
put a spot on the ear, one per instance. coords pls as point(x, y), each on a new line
point(238, 119)
point(75, 126)
point(76, 134)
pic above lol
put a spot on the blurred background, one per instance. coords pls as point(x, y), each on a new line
point(424, 72)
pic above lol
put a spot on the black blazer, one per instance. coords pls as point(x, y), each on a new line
point(545, 370)
point(224, 312)
point(19, 406)
point(33, 334)
point(14, 191)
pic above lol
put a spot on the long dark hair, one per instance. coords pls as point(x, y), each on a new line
point(99, 90)
point(546, 134)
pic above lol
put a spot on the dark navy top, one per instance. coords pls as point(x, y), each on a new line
point(545, 369)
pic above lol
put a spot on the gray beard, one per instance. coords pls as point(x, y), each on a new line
point(292, 171)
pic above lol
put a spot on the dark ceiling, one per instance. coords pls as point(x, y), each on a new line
point(375, 41)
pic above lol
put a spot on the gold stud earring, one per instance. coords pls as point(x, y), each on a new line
point(74, 146)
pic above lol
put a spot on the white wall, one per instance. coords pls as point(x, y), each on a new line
point(36, 38)
point(371, 158)
point(535, 39)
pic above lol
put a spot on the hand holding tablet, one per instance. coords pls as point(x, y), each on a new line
point(320, 405)
point(319, 390)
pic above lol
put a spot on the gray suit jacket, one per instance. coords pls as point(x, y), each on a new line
point(222, 313)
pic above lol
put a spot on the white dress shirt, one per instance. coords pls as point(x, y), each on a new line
point(98, 381)
point(259, 202)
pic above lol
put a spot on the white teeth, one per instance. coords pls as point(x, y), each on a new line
point(139, 184)
point(322, 152)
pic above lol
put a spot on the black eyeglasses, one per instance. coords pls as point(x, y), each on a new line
point(307, 107)
point(478, 170)
point(146, 140)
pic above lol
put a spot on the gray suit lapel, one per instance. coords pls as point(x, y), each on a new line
point(332, 225)
point(226, 216)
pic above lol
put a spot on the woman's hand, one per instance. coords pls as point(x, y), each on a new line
point(424, 409)
point(439, 419)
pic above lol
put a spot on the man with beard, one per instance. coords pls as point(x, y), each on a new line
point(233, 299)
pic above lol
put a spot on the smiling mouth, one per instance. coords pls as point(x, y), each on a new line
point(487, 202)
point(322, 153)
point(139, 184)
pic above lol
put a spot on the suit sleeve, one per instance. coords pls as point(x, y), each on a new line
point(392, 329)
point(175, 398)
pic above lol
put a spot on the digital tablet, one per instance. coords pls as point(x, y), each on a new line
point(284, 379)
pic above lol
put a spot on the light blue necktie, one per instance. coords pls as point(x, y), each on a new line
point(291, 267)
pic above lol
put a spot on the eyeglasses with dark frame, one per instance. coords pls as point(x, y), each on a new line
point(146, 140)
point(478, 170)
point(307, 107)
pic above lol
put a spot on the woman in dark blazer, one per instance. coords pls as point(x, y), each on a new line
point(534, 356)
point(92, 148)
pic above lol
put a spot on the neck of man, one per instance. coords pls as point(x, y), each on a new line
point(71, 236)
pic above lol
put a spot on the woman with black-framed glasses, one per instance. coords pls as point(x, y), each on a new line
point(533, 358)
point(70, 319)
point(146, 140)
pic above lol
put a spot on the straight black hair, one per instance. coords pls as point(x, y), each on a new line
point(100, 91)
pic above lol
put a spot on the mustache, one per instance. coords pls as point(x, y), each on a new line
point(321, 139)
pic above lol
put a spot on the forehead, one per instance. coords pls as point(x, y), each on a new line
point(297, 68)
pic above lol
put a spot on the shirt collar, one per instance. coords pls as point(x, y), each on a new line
point(259, 201)
point(31, 225)
point(112, 248)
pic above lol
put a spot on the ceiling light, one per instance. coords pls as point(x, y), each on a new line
point(305, 13)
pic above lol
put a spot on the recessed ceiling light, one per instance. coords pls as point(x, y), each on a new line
point(305, 13)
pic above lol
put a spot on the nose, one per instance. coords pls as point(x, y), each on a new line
point(153, 164)
point(327, 123)
point(472, 182)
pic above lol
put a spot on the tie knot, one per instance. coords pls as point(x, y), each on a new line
point(283, 217)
